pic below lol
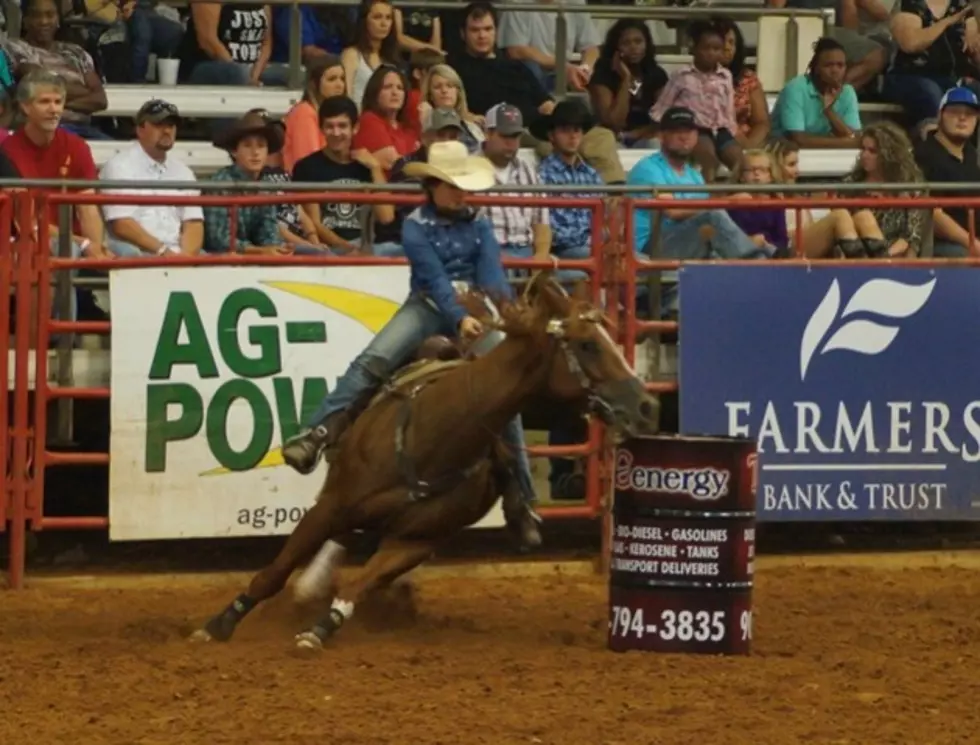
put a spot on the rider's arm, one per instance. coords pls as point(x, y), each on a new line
point(429, 270)
point(490, 275)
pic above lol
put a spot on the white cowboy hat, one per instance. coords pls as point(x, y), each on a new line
point(452, 163)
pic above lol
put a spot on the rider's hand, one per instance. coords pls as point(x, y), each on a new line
point(470, 328)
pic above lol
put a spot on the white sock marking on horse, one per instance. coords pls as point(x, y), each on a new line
point(314, 582)
point(344, 607)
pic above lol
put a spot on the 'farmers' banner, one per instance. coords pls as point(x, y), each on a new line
point(212, 369)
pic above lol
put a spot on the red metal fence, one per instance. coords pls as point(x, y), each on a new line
point(29, 272)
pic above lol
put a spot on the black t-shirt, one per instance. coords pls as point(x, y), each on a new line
point(940, 165)
point(288, 212)
point(7, 167)
point(945, 56)
point(241, 29)
point(643, 91)
point(492, 80)
point(342, 218)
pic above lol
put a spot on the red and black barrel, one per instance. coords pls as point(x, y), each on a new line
point(683, 545)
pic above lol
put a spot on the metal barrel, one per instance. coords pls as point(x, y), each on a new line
point(683, 545)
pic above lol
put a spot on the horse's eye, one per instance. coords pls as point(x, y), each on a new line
point(589, 347)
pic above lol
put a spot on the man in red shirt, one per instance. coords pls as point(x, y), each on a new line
point(41, 150)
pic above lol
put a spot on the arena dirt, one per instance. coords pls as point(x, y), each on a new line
point(868, 654)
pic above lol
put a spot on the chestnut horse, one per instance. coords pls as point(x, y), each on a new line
point(426, 461)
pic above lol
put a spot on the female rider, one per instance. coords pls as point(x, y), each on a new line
point(446, 243)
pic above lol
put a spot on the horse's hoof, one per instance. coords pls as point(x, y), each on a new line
point(200, 636)
point(307, 640)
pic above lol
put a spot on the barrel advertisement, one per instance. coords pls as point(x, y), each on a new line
point(856, 383)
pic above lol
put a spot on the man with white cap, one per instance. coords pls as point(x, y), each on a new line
point(448, 245)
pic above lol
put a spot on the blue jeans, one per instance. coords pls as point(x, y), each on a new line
point(918, 95)
point(682, 239)
point(545, 77)
point(949, 250)
point(574, 252)
point(150, 32)
point(72, 311)
point(394, 346)
point(388, 249)
point(511, 251)
point(126, 250)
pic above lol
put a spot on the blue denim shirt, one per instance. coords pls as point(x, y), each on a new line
point(442, 251)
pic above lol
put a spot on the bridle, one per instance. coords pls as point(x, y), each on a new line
point(557, 331)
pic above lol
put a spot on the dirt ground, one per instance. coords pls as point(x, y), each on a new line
point(868, 654)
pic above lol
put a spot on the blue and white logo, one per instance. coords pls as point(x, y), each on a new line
point(858, 383)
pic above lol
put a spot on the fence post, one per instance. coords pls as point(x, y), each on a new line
point(6, 288)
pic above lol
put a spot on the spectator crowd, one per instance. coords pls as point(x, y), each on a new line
point(382, 84)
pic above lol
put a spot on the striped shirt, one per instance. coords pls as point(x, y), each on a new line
point(512, 225)
point(571, 227)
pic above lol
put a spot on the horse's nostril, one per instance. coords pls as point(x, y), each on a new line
point(648, 410)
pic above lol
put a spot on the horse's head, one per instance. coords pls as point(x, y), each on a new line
point(587, 362)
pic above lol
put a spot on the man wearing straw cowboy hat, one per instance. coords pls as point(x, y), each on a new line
point(448, 246)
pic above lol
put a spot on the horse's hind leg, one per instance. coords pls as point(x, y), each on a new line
point(316, 580)
point(316, 527)
point(393, 558)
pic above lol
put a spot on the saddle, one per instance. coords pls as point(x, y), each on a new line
point(435, 356)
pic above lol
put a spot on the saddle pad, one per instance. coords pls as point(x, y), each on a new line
point(412, 373)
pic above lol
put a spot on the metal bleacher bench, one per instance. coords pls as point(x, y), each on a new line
point(204, 159)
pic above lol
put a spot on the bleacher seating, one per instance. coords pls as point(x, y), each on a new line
point(200, 101)
point(204, 159)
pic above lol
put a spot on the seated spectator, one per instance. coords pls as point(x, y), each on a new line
point(522, 232)
point(150, 33)
point(886, 158)
point(152, 230)
point(249, 142)
point(375, 44)
point(627, 81)
point(418, 29)
point(786, 169)
point(325, 78)
point(766, 227)
point(818, 109)
point(39, 51)
point(529, 36)
point(441, 125)
point(751, 107)
point(488, 80)
point(295, 226)
point(683, 231)
point(442, 89)
point(949, 155)
point(705, 88)
point(419, 64)
point(228, 44)
point(41, 149)
point(100, 28)
point(571, 228)
point(384, 129)
point(321, 33)
point(862, 31)
point(933, 51)
point(339, 224)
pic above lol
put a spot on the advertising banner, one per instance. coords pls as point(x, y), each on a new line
point(858, 383)
point(212, 369)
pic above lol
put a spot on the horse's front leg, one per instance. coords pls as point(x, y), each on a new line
point(317, 525)
point(316, 582)
point(394, 557)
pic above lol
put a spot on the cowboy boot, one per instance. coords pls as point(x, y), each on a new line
point(851, 248)
point(876, 247)
point(302, 451)
point(519, 514)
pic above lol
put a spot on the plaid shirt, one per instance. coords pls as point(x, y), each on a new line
point(512, 225)
point(709, 95)
point(571, 227)
point(257, 225)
